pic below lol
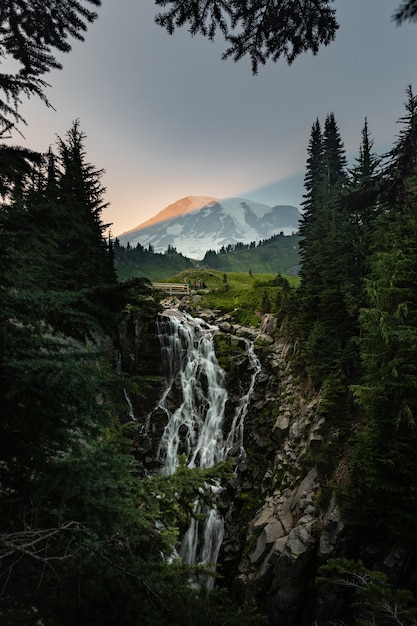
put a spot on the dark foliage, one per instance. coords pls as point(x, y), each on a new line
point(84, 537)
point(263, 29)
point(30, 32)
point(326, 320)
point(257, 28)
point(406, 12)
point(384, 469)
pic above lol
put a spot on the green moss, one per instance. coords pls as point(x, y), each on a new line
point(249, 504)
point(324, 457)
point(226, 353)
point(324, 496)
point(279, 476)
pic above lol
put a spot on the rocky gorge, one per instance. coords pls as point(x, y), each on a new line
point(282, 517)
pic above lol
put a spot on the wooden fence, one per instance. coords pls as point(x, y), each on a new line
point(173, 289)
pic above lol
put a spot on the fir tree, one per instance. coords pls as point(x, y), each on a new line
point(384, 470)
point(268, 30)
point(263, 29)
point(81, 198)
point(406, 12)
point(362, 201)
point(310, 229)
point(29, 33)
point(325, 252)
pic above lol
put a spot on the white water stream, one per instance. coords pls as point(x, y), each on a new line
point(196, 426)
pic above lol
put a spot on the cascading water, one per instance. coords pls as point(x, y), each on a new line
point(196, 426)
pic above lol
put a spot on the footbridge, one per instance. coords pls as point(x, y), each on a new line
point(173, 289)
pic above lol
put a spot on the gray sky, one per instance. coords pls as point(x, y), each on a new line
point(166, 118)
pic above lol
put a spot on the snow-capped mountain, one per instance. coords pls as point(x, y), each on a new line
point(217, 223)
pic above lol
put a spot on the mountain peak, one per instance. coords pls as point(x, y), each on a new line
point(196, 224)
point(180, 207)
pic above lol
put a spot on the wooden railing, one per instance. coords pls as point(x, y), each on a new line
point(173, 289)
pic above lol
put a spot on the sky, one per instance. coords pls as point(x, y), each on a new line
point(166, 118)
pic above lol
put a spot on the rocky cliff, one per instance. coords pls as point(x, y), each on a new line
point(291, 522)
point(282, 519)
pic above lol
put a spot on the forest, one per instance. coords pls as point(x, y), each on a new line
point(83, 538)
point(277, 254)
point(87, 536)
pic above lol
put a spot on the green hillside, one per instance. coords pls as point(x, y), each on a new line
point(140, 263)
point(240, 294)
point(278, 255)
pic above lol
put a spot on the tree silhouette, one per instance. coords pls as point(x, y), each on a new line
point(263, 29)
point(30, 31)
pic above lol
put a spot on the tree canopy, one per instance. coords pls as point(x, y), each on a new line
point(30, 33)
point(263, 29)
point(85, 536)
point(267, 29)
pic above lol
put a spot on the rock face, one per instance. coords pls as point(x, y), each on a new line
point(278, 526)
point(285, 522)
point(282, 520)
point(292, 529)
point(137, 355)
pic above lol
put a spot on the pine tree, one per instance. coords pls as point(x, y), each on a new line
point(406, 12)
point(29, 33)
point(263, 29)
point(362, 200)
point(334, 155)
point(310, 229)
point(257, 28)
point(81, 197)
point(325, 252)
point(83, 538)
point(367, 162)
point(384, 469)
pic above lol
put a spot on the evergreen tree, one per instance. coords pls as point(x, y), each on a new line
point(16, 164)
point(81, 199)
point(326, 253)
point(210, 259)
point(334, 155)
point(363, 204)
point(367, 162)
point(84, 538)
point(263, 29)
point(268, 30)
point(406, 12)
point(17, 233)
point(29, 32)
point(384, 469)
point(311, 225)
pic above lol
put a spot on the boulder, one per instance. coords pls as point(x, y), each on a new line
point(269, 324)
point(272, 531)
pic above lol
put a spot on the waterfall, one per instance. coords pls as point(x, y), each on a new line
point(235, 435)
point(130, 405)
point(195, 427)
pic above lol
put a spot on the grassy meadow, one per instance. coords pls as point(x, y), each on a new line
point(242, 295)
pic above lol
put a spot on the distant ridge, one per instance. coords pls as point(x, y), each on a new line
point(180, 207)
